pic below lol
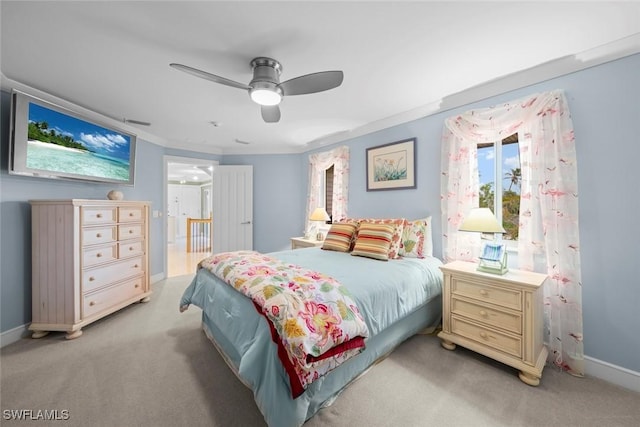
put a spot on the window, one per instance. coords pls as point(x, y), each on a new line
point(328, 192)
point(500, 178)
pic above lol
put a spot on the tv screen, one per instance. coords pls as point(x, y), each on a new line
point(50, 141)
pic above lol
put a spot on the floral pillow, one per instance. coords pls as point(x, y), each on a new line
point(417, 239)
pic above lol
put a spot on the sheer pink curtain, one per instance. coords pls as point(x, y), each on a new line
point(548, 236)
point(318, 164)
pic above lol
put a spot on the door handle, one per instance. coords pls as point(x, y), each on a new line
point(246, 222)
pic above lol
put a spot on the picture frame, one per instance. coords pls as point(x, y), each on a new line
point(392, 166)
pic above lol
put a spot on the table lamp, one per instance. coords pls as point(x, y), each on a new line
point(494, 254)
point(318, 215)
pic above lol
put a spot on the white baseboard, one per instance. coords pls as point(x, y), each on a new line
point(14, 335)
point(157, 277)
point(611, 373)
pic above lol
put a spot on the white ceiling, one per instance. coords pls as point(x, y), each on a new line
point(401, 60)
point(188, 173)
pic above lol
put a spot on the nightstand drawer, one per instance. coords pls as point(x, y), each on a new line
point(511, 298)
point(511, 322)
point(509, 344)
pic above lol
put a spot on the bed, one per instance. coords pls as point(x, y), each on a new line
point(396, 299)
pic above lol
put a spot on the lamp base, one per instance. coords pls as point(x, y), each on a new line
point(494, 259)
point(499, 269)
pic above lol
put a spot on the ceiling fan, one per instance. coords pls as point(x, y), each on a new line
point(265, 87)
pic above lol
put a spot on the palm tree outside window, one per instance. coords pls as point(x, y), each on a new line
point(502, 196)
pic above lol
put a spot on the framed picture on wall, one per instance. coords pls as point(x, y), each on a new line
point(392, 166)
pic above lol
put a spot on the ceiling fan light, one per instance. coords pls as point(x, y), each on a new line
point(264, 96)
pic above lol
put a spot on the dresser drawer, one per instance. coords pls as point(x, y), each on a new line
point(98, 215)
point(126, 232)
point(491, 338)
point(127, 249)
point(511, 298)
point(97, 235)
point(511, 321)
point(94, 278)
point(130, 214)
point(99, 255)
point(95, 302)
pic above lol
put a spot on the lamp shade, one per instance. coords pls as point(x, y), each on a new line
point(319, 214)
point(481, 220)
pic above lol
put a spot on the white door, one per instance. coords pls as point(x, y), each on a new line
point(184, 202)
point(232, 208)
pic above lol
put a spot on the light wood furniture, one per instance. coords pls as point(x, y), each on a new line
point(301, 242)
point(497, 316)
point(89, 259)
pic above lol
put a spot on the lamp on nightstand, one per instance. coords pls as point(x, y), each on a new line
point(318, 215)
point(494, 255)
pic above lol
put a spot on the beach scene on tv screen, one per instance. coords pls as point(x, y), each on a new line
point(61, 143)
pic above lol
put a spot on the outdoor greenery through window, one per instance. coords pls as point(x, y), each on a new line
point(500, 179)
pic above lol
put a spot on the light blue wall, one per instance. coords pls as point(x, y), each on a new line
point(15, 215)
point(606, 113)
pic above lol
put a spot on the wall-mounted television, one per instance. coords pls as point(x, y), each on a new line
point(50, 141)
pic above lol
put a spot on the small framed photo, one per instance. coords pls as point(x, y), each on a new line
point(392, 166)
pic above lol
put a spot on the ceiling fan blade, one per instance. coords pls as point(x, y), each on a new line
point(312, 83)
point(270, 113)
point(209, 76)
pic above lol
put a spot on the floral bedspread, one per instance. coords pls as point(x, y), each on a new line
point(317, 323)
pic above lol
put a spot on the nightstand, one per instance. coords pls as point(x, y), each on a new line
point(497, 316)
point(301, 242)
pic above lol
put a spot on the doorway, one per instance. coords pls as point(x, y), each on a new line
point(188, 195)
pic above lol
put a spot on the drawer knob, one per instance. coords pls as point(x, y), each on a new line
point(92, 303)
point(99, 235)
point(484, 293)
point(91, 279)
point(130, 231)
point(484, 335)
point(135, 266)
point(98, 255)
point(130, 248)
point(99, 215)
point(483, 313)
point(136, 286)
point(130, 213)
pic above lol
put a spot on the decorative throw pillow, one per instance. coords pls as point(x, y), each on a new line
point(355, 222)
point(396, 238)
point(416, 239)
point(373, 241)
point(339, 237)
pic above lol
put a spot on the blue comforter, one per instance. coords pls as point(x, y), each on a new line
point(397, 298)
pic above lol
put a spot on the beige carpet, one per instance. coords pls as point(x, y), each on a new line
point(149, 365)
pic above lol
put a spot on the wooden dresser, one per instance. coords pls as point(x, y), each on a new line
point(497, 316)
point(89, 259)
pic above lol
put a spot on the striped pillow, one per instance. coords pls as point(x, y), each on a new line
point(396, 238)
point(373, 241)
point(339, 237)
